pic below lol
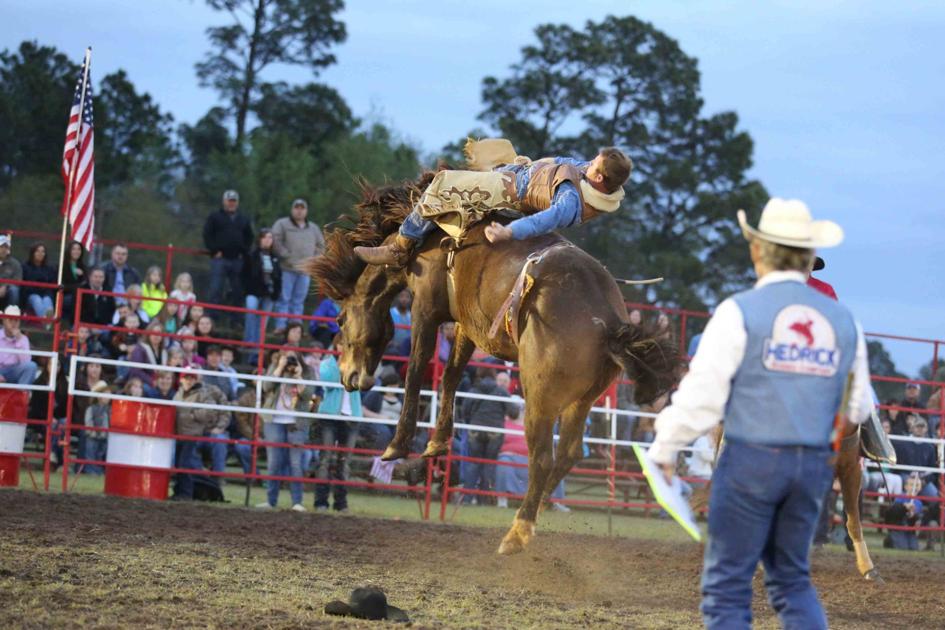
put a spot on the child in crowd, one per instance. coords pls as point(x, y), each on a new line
point(135, 303)
point(167, 316)
point(134, 388)
point(227, 356)
point(189, 348)
point(204, 329)
point(86, 343)
point(184, 291)
point(153, 287)
point(97, 417)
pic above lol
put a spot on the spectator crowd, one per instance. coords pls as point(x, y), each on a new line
point(147, 324)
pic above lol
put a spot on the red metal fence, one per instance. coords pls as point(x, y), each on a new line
point(611, 474)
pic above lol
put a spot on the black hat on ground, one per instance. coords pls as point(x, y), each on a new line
point(366, 603)
point(819, 263)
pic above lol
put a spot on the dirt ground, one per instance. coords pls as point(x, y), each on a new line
point(82, 561)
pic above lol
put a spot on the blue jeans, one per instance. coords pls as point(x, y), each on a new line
point(13, 293)
point(416, 227)
point(278, 457)
point(292, 297)
point(764, 506)
point(221, 271)
point(96, 450)
point(476, 475)
point(244, 452)
point(217, 451)
point(251, 328)
point(187, 458)
point(41, 304)
point(334, 465)
point(19, 373)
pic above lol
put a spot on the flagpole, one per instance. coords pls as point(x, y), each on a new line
point(72, 169)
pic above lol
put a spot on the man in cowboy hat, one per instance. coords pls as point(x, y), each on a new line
point(552, 193)
point(774, 363)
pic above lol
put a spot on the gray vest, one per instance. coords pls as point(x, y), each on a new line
point(789, 386)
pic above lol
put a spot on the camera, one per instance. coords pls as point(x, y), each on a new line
point(292, 362)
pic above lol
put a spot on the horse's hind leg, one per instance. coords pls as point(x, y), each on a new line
point(538, 435)
point(463, 348)
point(848, 471)
point(570, 449)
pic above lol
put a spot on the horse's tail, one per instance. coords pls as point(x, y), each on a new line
point(650, 358)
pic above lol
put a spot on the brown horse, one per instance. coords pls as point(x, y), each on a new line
point(574, 332)
point(851, 478)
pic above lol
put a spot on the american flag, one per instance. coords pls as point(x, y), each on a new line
point(80, 140)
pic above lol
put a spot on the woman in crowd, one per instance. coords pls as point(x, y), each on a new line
point(194, 313)
point(38, 269)
point(293, 335)
point(262, 281)
point(153, 287)
point(184, 291)
point(74, 275)
point(163, 386)
point(286, 429)
point(336, 402)
point(147, 350)
point(514, 479)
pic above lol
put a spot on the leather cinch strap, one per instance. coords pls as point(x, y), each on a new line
point(511, 307)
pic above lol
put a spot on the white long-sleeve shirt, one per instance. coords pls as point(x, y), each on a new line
point(699, 403)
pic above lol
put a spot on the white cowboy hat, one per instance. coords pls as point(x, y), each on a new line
point(788, 222)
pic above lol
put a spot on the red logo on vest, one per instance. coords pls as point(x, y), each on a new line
point(804, 330)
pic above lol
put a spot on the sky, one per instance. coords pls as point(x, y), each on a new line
point(844, 100)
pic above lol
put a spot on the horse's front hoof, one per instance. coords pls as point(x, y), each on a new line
point(517, 538)
point(394, 452)
point(873, 576)
point(436, 449)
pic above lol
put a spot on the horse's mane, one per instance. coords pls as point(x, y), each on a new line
point(379, 214)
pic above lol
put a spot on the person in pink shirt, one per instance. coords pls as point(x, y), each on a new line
point(14, 366)
point(514, 479)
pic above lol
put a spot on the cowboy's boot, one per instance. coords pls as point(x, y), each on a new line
point(396, 254)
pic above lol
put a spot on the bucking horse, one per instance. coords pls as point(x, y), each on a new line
point(567, 327)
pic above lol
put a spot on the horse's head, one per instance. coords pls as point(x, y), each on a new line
point(366, 325)
point(365, 293)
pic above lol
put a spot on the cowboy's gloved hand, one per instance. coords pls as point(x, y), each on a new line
point(496, 232)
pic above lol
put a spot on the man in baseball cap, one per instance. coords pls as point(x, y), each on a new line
point(228, 236)
point(15, 367)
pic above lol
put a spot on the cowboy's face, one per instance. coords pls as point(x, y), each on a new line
point(594, 170)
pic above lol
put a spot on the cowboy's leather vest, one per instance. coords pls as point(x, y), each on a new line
point(545, 179)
